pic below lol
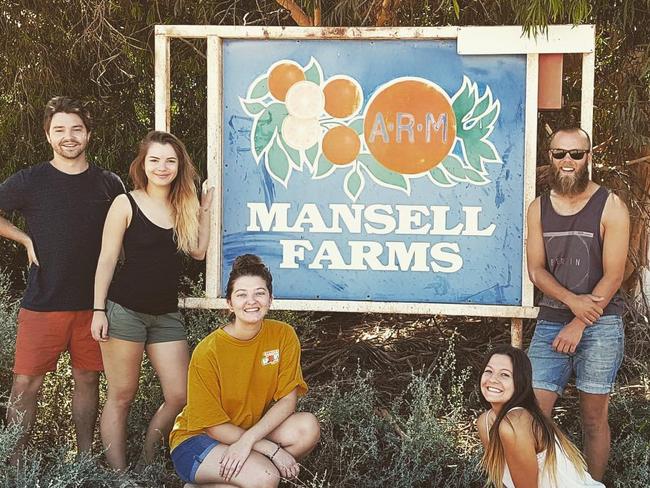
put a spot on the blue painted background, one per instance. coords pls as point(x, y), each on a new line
point(492, 270)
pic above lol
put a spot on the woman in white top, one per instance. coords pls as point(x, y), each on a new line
point(523, 447)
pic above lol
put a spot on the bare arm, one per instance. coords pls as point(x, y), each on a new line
point(518, 443)
point(482, 432)
point(586, 308)
point(204, 224)
point(10, 231)
point(616, 240)
point(242, 441)
point(117, 220)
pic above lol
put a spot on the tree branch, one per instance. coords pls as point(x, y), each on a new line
point(297, 14)
point(386, 15)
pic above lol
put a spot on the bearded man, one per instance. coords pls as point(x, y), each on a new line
point(576, 250)
point(64, 202)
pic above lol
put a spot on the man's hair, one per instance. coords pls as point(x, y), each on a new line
point(67, 105)
point(568, 130)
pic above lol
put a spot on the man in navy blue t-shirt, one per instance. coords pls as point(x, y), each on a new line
point(64, 203)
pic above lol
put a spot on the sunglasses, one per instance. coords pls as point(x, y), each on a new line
point(575, 154)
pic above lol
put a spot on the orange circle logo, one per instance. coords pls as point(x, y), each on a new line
point(283, 76)
point(341, 145)
point(409, 125)
point(342, 97)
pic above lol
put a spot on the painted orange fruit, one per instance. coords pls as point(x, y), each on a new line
point(342, 97)
point(282, 76)
point(341, 145)
point(409, 125)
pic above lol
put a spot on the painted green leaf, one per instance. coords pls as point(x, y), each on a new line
point(260, 90)
point(439, 177)
point(482, 106)
point(353, 183)
point(463, 102)
point(357, 125)
point(454, 167)
point(475, 176)
point(278, 163)
point(265, 126)
point(487, 119)
point(252, 108)
point(313, 72)
point(473, 154)
point(383, 174)
point(487, 152)
point(324, 166)
point(294, 155)
point(311, 154)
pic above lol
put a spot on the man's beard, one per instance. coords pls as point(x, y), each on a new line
point(568, 185)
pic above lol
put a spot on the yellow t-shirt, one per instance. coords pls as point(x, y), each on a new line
point(234, 381)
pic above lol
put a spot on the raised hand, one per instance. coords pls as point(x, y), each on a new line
point(206, 196)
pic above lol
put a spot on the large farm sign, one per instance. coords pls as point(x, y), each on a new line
point(387, 169)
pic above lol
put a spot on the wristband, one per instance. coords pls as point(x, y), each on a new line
point(99, 310)
point(275, 452)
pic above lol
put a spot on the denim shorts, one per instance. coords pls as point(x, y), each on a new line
point(595, 363)
point(189, 454)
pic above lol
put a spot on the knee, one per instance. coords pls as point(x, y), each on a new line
point(85, 379)
point(308, 429)
point(26, 386)
point(266, 479)
point(122, 397)
point(594, 423)
point(176, 400)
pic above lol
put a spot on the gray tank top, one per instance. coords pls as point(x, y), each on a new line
point(574, 254)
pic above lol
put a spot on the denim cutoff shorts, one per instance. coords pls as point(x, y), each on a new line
point(189, 454)
point(595, 362)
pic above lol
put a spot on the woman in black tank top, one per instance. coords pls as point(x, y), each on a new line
point(154, 224)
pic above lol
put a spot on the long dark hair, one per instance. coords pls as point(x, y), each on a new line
point(546, 433)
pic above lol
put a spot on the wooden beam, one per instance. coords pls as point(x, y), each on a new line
point(465, 309)
point(275, 32)
point(214, 164)
point(162, 94)
point(513, 40)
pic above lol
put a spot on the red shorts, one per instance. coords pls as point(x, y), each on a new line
point(43, 336)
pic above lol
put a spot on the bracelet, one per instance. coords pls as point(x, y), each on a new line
point(275, 452)
point(99, 310)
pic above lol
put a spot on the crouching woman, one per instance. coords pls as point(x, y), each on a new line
point(523, 448)
point(239, 427)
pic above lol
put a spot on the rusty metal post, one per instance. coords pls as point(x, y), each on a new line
point(517, 333)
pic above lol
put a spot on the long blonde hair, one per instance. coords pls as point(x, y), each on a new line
point(546, 433)
point(182, 196)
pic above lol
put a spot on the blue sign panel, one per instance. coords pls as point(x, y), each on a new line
point(387, 170)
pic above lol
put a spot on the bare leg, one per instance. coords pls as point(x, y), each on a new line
point(595, 432)
point(171, 361)
point(546, 400)
point(22, 407)
point(122, 360)
point(298, 435)
point(257, 472)
point(85, 399)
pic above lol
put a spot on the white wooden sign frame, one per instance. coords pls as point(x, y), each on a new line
point(473, 40)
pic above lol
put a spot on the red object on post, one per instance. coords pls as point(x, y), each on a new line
point(550, 82)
